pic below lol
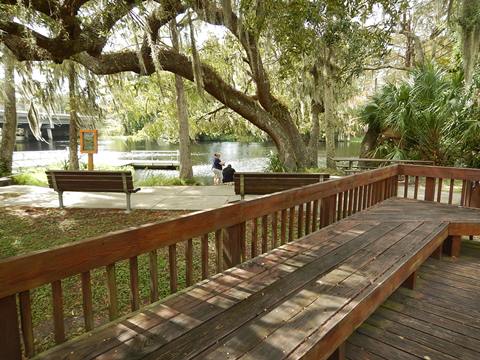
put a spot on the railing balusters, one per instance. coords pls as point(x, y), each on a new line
point(26, 321)
point(308, 217)
point(219, 250)
point(355, 200)
point(264, 233)
point(274, 230)
point(450, 191)
point(87, 300)
point(364, 196)
point(360, 198)
point(153, 269)
point(283, 227)
point(204, 254)
point(463, 196)
point(135, 301)
point(415, 192)
point(350, 202)
point(405, 186)
point(112, 292)
point(340, 206)
point(345, 204)
point(189, 262)
point(300, 221)
point(315, 215)
point(439, 190)
point(291, 217)
point(254, 237)
point(172, 262)
point(57, 304)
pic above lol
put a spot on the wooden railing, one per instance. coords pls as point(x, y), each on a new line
point(214, 240)
point(453, 186)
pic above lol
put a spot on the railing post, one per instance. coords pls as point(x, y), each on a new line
point(327, 210)
point(9, 331)
point(429, 189)
point(233, 243)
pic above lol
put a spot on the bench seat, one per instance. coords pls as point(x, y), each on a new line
point(267, 183)
point(91, 181)
point(301, 300)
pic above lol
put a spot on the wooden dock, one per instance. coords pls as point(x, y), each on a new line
point(305, 268)
point(154, 160)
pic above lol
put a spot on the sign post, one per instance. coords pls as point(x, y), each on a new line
point(89, 145)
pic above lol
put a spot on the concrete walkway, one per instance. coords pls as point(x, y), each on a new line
point(155, 198)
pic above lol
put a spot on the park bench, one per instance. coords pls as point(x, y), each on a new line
point(91, 181)
point(266, 183)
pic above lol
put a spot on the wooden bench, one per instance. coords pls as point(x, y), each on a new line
point(91, 181)
point(267, 183)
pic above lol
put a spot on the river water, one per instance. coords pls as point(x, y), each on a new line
point(243, 156)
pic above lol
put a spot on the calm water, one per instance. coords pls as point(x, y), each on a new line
point(243, 156)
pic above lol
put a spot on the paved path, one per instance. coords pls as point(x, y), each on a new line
point(156, 198)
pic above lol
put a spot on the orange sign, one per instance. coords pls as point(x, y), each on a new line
point(89, 141)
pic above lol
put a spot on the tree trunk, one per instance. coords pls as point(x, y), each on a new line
point(369, 142)
point(469, 22)
point(9, 129)
point(329, 104)
point(186, 171)
point(73, 129)
point(317, 109)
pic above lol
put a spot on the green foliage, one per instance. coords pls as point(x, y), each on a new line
point(159, 180)
point(34, 177)
point(274, 164)
point(428, 117)
point(334, 172)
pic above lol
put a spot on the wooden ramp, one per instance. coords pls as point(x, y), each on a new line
point(301, 300)
point(440, 319)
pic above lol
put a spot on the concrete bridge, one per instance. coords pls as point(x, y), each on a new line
point(60, 126)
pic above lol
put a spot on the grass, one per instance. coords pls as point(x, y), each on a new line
point(24, 230)
point(158, 180)
point(36, 176)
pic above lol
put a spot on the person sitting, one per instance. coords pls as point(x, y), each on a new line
point(228, 174)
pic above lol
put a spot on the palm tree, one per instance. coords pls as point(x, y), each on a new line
point(415, 119)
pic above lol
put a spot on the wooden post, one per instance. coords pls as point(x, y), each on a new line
point(429, 189)
point(437, 253)
point(233, 242)
point(410, 282)
point(339, 353)
point(452, 246)
point(90, 162)
point(9, 331)
point(327, 210)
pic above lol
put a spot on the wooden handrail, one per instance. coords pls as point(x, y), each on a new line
point(439, 172)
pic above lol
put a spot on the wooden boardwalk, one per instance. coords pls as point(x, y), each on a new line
point(306, 268)
point(302, 299)
point(440, 319)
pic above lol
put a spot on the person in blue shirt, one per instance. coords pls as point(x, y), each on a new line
point(217, 169)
